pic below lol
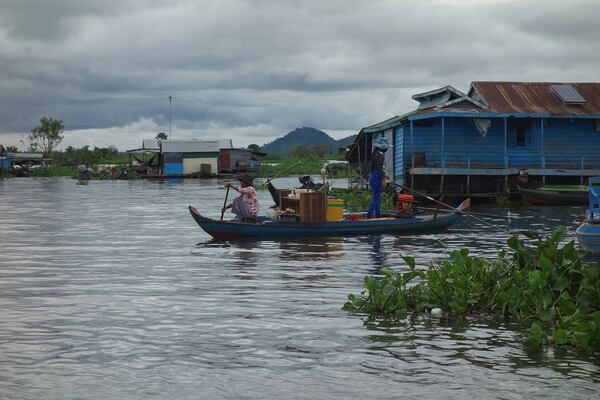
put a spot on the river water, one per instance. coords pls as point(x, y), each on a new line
point(110, 291)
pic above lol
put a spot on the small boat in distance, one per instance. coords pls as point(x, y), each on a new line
point(407, 224)
point(588, 233)
point(555, 195)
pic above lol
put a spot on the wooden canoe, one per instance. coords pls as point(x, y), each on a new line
point(232, 230)
point(555, 195)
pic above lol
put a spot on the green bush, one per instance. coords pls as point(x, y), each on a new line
point(359, 200)
point(53, 171)
point(545, 285)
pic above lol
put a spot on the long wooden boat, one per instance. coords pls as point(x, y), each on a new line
point(556, 195)
point(588, 233)
point(231, 230)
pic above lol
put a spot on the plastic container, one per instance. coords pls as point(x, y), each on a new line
point(335, 209)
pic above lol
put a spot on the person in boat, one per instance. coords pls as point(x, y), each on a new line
point(246, 204)
point(377, 176)
point(305, 181)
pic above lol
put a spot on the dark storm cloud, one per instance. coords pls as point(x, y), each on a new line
point(261, 68)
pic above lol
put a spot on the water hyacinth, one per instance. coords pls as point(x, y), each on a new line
point(546, 285)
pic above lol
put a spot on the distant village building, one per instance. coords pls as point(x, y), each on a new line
point(25, 160)
point(476, 142)
point(193, 157)
point(239, 160)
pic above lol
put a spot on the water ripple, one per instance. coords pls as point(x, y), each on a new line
point(109, 290)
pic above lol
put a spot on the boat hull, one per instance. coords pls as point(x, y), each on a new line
point(231, 230)
point(546, 197)
point(588, 236)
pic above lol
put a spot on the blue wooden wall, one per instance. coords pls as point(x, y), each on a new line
point(399, 151)
point(564, 142)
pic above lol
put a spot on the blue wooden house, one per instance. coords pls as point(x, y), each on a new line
point(479, 141)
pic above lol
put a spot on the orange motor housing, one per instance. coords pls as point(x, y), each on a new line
point(404, 202)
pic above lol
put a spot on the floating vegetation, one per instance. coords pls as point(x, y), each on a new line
point(546, 285)
point(359, 200)
point(502, 201)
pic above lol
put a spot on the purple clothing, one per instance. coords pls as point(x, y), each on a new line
point(375, 181)
point(240, 208)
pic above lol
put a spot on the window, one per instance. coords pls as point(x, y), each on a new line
point(520, 132)
point(519, 137)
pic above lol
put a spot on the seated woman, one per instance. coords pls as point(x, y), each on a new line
point(246, 204)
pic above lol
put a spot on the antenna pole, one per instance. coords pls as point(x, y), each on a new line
point(170, 114)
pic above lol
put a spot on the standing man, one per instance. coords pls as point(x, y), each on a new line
point(377, 175)
point(246, 204)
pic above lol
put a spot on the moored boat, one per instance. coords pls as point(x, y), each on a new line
point(232, 230)
point(588, 233)
point(555, 195)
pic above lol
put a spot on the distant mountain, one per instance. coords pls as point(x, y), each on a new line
point(347, 141)
point(308, 137)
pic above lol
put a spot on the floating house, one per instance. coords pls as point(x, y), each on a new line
point(232, 160)
point(477, 142)
point(178, 158)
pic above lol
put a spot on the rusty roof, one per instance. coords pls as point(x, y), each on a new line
point(536, 98)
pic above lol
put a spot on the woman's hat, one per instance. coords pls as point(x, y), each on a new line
point(382, 143)
point(246, 179)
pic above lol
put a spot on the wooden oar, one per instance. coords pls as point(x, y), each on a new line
point(279, 174)
point(470, 212)
point(224, 203)
point(451, 208)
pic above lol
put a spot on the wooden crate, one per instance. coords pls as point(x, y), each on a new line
point(313, 206)
point(285, 202)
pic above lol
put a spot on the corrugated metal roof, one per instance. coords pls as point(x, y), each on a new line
point(25, 156)
point(537, 98)
point(225, 144)
point(150, 144)
point(189, 146)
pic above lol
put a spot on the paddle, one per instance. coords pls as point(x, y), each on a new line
point(473, 213)
point(224, 203)
point(451, 208)
point(279, 174)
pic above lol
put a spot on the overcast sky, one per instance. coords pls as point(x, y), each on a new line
point(253, 70)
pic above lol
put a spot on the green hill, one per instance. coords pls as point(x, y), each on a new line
point(305, 136)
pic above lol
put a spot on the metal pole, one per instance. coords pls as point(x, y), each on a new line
point(443, 157)
point(170, 114)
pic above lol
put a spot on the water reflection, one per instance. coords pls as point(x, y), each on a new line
point(311, 249)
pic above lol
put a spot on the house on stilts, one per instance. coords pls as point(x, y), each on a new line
point(476, 143)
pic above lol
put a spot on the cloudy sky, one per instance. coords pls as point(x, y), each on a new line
point(253, 70)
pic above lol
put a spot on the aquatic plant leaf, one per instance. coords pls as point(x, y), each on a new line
point(561, 336)
point(410, 261)
point(560, 284)
point(513, 243)
point(559, 234)
point(547, 314)
point(545, 263)
point(536, 279)
point(387, 272)
point(389, 289)
point(536, 333)
point(547, 298)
